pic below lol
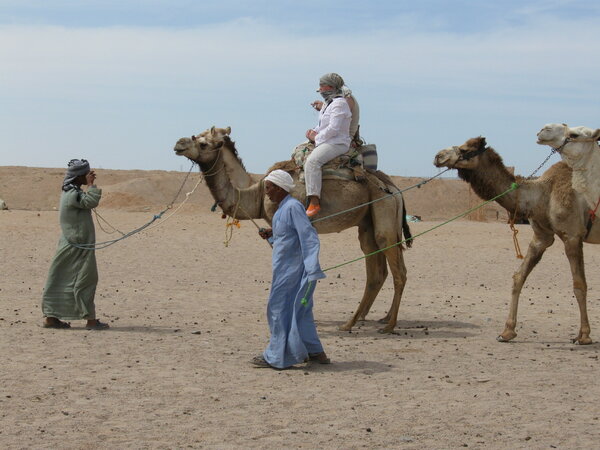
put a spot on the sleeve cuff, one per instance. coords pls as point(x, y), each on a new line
point(316, 276)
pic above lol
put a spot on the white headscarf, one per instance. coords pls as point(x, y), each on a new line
point(282, 179)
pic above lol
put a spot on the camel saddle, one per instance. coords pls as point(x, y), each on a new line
point(349, 166)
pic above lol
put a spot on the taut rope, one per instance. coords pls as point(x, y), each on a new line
point(102, 245)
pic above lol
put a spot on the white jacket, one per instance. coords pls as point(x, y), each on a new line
point(334, 123)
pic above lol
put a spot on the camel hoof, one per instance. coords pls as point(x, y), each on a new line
point(386, 330)
point(582, 341)
point(501, 338)
point(345, 327)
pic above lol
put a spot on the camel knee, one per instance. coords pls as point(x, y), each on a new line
point(518, 281)
point(579, 287)
point(383, 240)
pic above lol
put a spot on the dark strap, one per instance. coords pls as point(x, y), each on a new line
point(588, 225)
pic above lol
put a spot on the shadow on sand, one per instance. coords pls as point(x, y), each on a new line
point(138, 329)
point(422, 329)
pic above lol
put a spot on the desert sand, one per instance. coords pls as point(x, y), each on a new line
point(187, 313)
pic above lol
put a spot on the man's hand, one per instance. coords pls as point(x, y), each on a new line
point(265, 233)
point(311, 135)
point(90, 177)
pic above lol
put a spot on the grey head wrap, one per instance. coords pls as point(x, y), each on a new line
point(336, 82)
point(75, 168)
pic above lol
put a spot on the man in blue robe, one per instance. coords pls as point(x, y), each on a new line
point(296, 270)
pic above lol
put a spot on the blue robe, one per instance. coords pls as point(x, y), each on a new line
point(296, 270)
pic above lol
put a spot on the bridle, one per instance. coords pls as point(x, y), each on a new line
point(570, 139)
point(218, 149)
point(470, 154)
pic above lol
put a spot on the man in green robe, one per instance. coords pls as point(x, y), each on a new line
point(73, 275)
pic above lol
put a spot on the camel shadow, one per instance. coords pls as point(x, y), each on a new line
point(568, 346)
point(423, 329)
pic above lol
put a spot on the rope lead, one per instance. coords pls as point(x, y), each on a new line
point(102, 245)
point(513, 186)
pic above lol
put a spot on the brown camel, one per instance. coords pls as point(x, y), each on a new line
point(550, 204)
point(379, 224)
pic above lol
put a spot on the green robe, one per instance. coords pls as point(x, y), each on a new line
point(73, 275)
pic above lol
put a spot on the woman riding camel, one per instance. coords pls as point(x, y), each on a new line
point(331, 137)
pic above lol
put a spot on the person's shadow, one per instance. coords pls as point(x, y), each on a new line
point(361, 366)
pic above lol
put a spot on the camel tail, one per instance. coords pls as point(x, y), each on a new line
point(405, 227)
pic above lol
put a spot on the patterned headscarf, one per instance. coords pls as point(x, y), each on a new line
point(333, 80)
point(75, 168)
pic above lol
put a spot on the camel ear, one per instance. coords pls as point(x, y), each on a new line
point(228, 131)
point(482, 142)
point(212, 130)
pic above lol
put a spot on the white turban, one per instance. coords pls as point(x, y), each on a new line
point(282, 179)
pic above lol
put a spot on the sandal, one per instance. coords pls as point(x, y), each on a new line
point(261, 362)
point(313, 210)
point(59, 324)
point(321, 358)
point(98, 326)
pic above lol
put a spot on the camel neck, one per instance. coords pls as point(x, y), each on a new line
point(241, 203)
point(492, 180)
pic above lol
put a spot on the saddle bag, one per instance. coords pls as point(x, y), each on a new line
point(369, 156)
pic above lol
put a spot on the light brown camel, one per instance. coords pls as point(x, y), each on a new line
point(378, 223)
point(578, 147)
point(550, 204)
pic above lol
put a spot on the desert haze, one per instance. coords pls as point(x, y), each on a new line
point(187, 314)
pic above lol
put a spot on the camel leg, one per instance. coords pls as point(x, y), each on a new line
point(376, 275)
point(574, 251)
point(385, 227)
point(395, 260)
point(377, 271)
point(536, 249)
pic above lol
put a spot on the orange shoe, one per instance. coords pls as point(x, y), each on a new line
point(313, 210)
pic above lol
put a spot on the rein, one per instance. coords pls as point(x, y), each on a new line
point(472, 154)
point(591, 219)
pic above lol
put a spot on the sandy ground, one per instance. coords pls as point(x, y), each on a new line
point(188, 313)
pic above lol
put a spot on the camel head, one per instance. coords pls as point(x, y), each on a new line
point(465, 156)
point(573, 144)
point(201, 148)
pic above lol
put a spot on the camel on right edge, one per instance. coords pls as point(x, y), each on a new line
point(552, 206)
point(578, 147)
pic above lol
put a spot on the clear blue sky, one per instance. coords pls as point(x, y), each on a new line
point(118, 82)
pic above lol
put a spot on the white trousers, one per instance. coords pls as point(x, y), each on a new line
point(322, 154)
